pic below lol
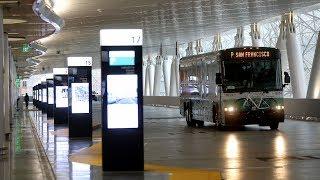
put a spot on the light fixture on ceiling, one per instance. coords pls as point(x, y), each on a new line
point(9, 2)
point(13, 33)
point(8, 21)
point(13, 39)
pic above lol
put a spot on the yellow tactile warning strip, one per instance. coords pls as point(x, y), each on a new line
point(92, 156)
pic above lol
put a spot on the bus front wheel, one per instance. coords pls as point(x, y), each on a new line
point(274, 125)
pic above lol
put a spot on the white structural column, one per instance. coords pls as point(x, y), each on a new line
point(150, 77)
point(166, 75)
point(2, 124)
point(144, 70)
point(158, 74)
point(239, 38)
point(281, 45)
point(314, 83)
point(189, 50)
point(175, 78)
point(199, 48)
point(295, 61)
point(217, 45)
point(6, 84)
point(255, 35)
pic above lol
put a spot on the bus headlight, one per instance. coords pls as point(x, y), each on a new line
point(229, 109)
point(278, 107)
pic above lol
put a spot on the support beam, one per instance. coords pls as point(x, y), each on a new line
point(255, 35)
point(158, 74)
point(217, 44)
point(150, 76)
point(2, 124)
point(166, 66)
point(6, 84)
point(281, 45)
point(175, 78)
point(314, 82)
point(239, 38)
point(295, 61)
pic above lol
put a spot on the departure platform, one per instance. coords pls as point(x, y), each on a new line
point(175, 151)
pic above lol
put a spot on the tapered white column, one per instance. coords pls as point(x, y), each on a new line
point(217, 45)
point(314, 83)
point(281, 45)
point(166, 75)
point(6, 84)
point(198, 48)
point(239, 38)
point(255, 35)
point(189, 50)
point(150, 78)
point(2, 124)
point(295, 61)
point(157, 75)
point(175, 79)
point(144, 70)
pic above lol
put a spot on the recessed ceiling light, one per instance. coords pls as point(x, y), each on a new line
point(13, 21)
point(16, 39)
point(13, 33)
point(8, 2)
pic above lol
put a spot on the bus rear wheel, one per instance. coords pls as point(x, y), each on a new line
point(274, 125)
point(190, 121)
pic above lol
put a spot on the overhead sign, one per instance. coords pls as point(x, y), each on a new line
point(121, 37)
point(60, 71)
point(25, 48)
point(79, 61)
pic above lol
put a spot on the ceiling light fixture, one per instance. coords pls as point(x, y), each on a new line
point(9, 21)
point(9, 2)
point(13, 33)
point(13, 39)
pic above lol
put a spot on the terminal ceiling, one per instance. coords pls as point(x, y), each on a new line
point(163, 21)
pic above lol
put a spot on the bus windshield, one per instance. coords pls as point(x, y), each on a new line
point(254, 75)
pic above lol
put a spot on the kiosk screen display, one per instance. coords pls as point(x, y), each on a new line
point(61, 96)
point(40, 95)
point(44, 91)
point(121, 58)
point(122, 101)
point(80, 97)
point(50, 95)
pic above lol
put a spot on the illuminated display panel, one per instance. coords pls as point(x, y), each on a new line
point(40, 95)
point(122, 101)
point(121, 58)
point(50, 95)
point(61, 96)
point(80, 97)
point(44, 92)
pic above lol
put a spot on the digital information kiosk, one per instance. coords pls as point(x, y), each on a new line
point(40, 96)
point(44, 96)
point(122, 113)
point(80, 97)
point(60, 79)
point(50, 98)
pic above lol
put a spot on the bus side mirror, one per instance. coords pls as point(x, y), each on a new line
point(286, 78)
point(218, 79)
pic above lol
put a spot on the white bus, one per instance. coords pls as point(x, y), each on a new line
point(233, 87)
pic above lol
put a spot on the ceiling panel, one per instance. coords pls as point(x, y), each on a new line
point(163, 21)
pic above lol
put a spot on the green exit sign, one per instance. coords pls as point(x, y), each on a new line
point(25, 48)
point(18, 80)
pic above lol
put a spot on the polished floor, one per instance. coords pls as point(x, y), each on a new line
point(292, 152)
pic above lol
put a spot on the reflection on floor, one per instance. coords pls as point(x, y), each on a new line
point(81, 159)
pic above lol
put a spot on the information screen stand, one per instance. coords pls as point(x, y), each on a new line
point(80, 97)
point(60, 79)
point(122, 113)
point(44, 96)
point(50, 98)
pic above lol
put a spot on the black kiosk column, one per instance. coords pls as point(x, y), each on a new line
point(122, 113)
point(44, 96)
point(50, 98)
point(37, 95)
point(40, 107)
point(60, 78)
point(80, 97)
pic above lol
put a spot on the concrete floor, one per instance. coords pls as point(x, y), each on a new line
point(292, 152)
